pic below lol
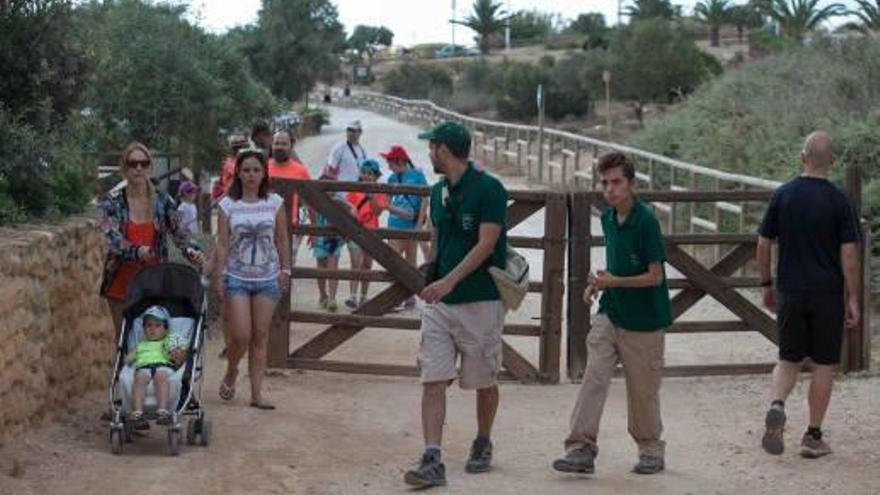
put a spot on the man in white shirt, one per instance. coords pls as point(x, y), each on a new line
point(344, 160)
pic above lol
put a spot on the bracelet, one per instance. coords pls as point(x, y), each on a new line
point(767, 283)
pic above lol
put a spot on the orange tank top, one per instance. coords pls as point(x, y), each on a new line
point(138, 234)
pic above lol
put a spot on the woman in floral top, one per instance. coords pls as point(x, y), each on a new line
point(137, 221)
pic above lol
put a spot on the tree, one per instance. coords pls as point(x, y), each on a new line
point(653, 61)
point(647, 9)
point(366, 40)
point(296, 43)
point(714, 13)
point(531, 25)
point(593, 26)
point(44, 59)
point(868, 14)
point(166, 82)
point(798, 17)
point(486, 20)
point(745, 16)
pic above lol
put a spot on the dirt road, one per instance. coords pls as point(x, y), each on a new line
point(351, 434)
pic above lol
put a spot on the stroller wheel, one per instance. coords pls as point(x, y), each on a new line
point(174, 437)
point(206, 431)
point(116, 440)
point(192, 429)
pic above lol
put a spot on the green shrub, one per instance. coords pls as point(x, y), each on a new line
point(44, 172)
point(418, 81)
point(566, 89)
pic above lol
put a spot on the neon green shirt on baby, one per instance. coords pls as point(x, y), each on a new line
point(152, 352)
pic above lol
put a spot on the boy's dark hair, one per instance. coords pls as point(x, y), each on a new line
point(616, 159)
point(259, 128)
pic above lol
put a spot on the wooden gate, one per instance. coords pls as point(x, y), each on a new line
point(407, 280)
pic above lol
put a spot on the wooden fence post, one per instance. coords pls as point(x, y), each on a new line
point(554, 289)
point(579, 223)
point(853, 342)
point(279, 331)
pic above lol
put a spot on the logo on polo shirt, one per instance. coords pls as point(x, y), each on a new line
point(635, 260)
point(468, 222)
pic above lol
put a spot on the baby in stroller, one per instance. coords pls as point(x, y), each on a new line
point(154, 358)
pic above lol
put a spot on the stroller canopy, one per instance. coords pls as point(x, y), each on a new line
point(175, 286)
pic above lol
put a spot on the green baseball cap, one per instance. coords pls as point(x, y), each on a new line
point(455, 136)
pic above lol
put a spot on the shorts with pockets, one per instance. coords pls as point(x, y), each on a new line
point(810, 326)
point(266, 288)
point(470, 330)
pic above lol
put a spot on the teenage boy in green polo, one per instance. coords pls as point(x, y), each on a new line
point(633, 312)
point(464, 315)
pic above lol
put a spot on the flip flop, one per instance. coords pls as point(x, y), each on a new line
point(262, 405)
point(226, 392)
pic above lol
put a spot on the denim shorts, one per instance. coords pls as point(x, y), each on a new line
point(265, 288)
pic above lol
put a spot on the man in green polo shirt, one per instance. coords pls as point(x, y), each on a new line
point(464, 315)
point(633, 312)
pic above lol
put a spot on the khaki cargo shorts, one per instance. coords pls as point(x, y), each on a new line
point(471, 330)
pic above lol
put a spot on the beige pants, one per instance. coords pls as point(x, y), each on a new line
point(641, 354)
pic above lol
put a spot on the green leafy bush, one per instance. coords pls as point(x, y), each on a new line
point(418, 81)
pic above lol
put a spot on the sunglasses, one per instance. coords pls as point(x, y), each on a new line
point(138, 164)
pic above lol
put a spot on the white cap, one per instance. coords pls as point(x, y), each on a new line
point(354, 125)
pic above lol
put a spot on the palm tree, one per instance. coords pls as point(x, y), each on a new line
point(868, 14)
point(798, 17)
point(745, 16)
point(486, 20)
point(646, 9)
point(714, 13)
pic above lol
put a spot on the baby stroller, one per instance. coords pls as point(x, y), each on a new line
point(179, 289)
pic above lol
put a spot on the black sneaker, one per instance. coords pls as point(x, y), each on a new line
point(775, 423)
point(576, 461)
point(480, 460)
point(431, 472)
point(649, 464)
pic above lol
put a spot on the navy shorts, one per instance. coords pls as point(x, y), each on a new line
point(266, 288)
point(810, 326)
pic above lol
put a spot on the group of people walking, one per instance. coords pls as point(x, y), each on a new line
point(815, 292)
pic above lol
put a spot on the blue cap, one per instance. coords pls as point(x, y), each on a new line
point(371, 165)
point(159, 313)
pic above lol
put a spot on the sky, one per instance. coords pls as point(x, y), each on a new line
point(412, 21)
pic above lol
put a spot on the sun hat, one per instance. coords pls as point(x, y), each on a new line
point(159, 313)
point(186, 187)
point(354, 125)
point(370, 165)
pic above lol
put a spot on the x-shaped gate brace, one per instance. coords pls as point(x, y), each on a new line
point(409, 280)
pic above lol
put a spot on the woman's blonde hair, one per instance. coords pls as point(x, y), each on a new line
point(123, 163)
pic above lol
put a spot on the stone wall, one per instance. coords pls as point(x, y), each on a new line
point(56, 336)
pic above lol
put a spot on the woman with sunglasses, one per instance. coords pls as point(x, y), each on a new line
point(137, 220)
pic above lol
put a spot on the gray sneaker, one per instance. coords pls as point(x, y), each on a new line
point(480, 459)
point(430, 472)
point(812, 448)
point(649, 464)
point(576, 461)
point(775, 423)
